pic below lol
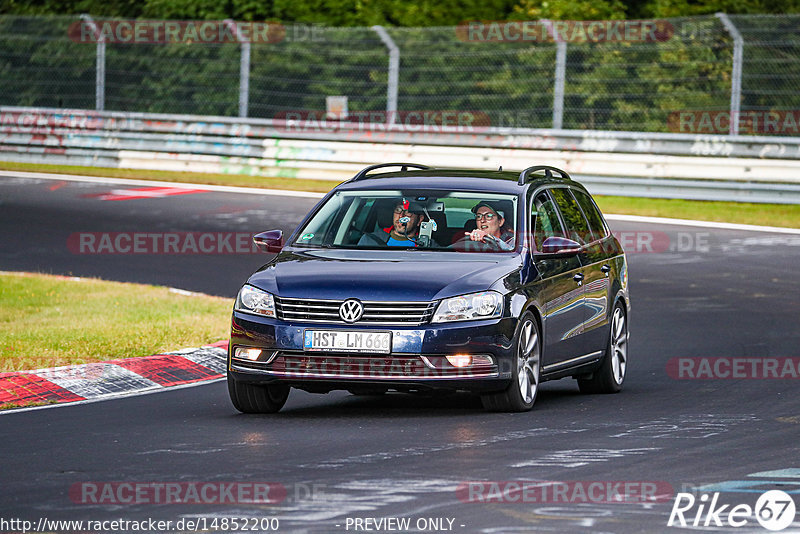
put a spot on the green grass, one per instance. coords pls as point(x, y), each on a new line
point(29, 404)
point(48, 321)
point(241, 180)
point(786, 215)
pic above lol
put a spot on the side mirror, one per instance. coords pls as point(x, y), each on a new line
point(560, 247)
point(270, 241)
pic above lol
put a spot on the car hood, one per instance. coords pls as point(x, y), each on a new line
point(381, 275)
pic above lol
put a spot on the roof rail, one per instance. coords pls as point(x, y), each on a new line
point(548, 173)
point(403, 167)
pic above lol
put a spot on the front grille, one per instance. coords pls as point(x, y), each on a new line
point(375, 312)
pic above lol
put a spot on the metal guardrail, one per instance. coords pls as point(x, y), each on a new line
point(735, 168)
point(773, 193)
point(750, 146)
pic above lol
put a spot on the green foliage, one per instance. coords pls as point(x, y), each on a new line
point(623, 85)
point(187, 9)
point(637, 86)
point(328, 12)
point(105, 8)
point(570, 9)
point(32, 60)
point(394, 12)
point(174, 78)
point(689, 8)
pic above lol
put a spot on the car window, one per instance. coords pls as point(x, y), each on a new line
point(592, 214)
point(577, 227)
point(318, 230)
point(366, 219)
point(545, 220)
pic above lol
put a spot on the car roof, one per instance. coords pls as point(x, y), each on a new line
point(450, 179)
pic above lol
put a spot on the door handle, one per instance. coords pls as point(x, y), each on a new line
point(578, 278)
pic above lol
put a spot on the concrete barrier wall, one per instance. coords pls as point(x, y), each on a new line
point(624, 163)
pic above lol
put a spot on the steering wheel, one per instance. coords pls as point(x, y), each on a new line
point(494, 244)
point(491, 244)
point(373, 239)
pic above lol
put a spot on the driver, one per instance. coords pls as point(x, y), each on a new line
point(491, 227)
point(403, 232)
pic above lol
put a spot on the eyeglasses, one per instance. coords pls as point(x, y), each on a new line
point(401, 211)
point(486, 216)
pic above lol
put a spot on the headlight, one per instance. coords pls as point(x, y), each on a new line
point(253, 300)
point(485, 305)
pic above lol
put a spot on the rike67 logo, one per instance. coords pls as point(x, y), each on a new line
point(774, 510)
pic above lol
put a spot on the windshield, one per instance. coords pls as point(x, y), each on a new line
point(419, 219)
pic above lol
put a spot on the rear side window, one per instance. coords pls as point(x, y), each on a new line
point(592, 214)
point(577, 227)
point(546, 223)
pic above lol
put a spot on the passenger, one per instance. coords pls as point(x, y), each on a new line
point(403, 232)
point(491, 227)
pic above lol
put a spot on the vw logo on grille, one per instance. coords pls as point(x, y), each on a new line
point(351, 310)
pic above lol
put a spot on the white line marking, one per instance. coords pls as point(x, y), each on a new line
point(704, 224)
point(792, 472)
point(307, 194)
point(178, 185)
point(186, 293)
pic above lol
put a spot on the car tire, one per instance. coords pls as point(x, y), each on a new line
point(609, 377)
point(526, 371)
point(257, 398)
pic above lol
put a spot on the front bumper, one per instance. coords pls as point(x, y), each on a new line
point(417, 360)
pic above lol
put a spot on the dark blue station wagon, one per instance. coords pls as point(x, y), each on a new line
point(424, 280)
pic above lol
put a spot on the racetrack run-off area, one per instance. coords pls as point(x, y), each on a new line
point(327, 463)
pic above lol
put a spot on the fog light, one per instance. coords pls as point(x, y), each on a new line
point(482, 359)
point(247, 354)
point(459, 360)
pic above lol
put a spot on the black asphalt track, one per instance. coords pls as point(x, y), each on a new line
point(347, 462)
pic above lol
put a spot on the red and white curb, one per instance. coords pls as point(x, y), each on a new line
point(114, 378)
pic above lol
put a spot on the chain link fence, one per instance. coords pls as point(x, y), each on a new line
point(680, 74)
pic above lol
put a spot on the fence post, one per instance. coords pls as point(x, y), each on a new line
point(560, 75)
point(736, 75)
point(558, 89)
point(100, 67)
point(244, 69)
point(394, 72)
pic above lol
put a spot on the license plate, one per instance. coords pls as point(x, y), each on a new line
point(344, 341)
